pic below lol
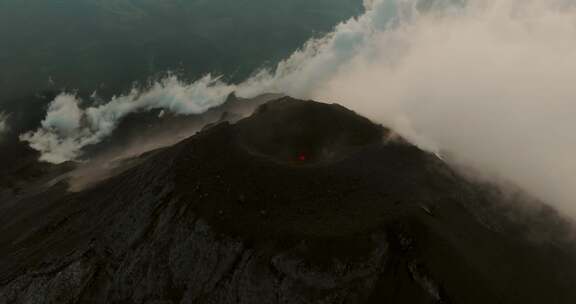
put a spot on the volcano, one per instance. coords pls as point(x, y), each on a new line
point(301, 202)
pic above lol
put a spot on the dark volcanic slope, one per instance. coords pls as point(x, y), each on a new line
point(300, 203)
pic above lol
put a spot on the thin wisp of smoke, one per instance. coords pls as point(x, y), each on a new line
point(485, 82)
point(3, 124)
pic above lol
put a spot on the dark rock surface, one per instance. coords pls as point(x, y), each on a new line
point(299, 203)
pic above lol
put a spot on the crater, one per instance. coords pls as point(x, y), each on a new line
point(292, 131)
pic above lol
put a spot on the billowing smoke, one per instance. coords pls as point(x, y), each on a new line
point(490, 85)
point(485, 82)
point(68, 127)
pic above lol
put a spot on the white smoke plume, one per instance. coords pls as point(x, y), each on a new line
point(68, 128)
point(491, 85)
point(488, 82)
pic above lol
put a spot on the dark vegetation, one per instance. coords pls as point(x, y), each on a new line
point(107, 45)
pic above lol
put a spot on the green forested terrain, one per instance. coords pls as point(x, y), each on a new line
point(108, 44)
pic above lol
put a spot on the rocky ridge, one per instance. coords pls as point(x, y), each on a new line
point(301, 202)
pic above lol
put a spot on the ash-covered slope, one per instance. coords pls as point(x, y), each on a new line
point(300, 203)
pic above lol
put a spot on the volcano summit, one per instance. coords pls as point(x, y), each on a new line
point(301, 202)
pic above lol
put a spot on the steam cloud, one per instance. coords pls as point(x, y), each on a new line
point(68, 128)
point(488, 82)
